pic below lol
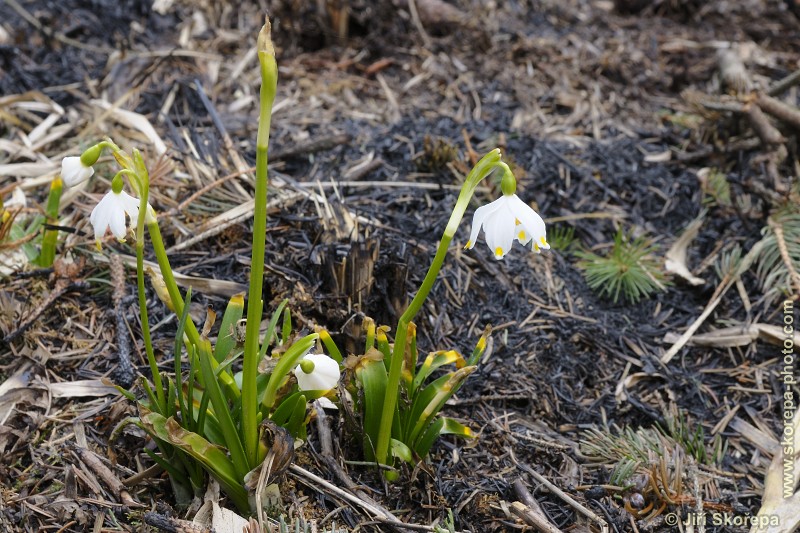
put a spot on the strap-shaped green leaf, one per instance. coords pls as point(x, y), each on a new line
point(287, 361)
point(232, 440)
point(480, 346)
point(333, 350)
point(50, 238)
point(432, 362)
point(371, 373)
point(226, 340)
point(297, 420)
point(273, 322)
point(401, 451)
point(441, 426)
point(176, 357)
point(284, 411)
point(420, 401)
point(214, 459)
point(442, 394)
point(286, 330)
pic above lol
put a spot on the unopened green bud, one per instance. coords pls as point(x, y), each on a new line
point(307, 366)
point(508, 184)
point(117, 184)
point(91, 155)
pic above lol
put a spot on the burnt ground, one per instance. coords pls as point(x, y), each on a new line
point(597, 107)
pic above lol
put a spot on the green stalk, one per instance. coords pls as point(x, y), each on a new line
point(482, 169)
point(269, 81)
point(48, 252)
point(143, 181)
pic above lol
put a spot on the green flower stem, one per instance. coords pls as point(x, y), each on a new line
point(48, 253)
point(172, 288)
point(483, 168)
point(144, 185)
point(269, 81)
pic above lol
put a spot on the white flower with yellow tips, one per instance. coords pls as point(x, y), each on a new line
point(110, 213)
point(505, 220)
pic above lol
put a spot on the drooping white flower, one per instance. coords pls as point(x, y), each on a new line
point(323, 372)
point(73, 171)
point(110, 213)
point(506, 219)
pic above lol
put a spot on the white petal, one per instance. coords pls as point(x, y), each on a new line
point(117, 224)
point(529, 222)
point(110, 214)
point(524, 237)
point(130, 205)
point(479, 218)
point(325, 375)
point(101, 214)
point(73, 171)
point(499, 230)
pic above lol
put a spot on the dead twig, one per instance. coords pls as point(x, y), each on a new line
point(93, 461)
point(326, 445)
point(588, 513)
point(726, 283)
point(769, 134)
point(780, 110)
point(200, 192)
point(412, 7)
point(226, 139)
point(785, 84)
point(529, 510)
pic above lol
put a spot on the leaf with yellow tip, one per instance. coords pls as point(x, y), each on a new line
point(480, 347)
point(441, 393)
point(434, 361)
point(371, 374)
point(333, 350)
point(441, 426)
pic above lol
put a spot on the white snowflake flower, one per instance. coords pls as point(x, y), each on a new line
point(506, 219)
point(73, 171)
point(110, 213)
point(323, 372)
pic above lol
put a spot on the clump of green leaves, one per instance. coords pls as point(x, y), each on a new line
point(693, 441)
point(629, 269)
point(424, 390)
